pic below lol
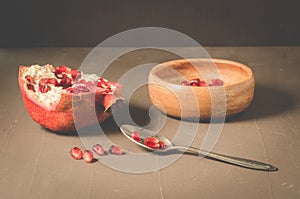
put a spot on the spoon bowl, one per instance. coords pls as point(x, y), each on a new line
point(127, 130)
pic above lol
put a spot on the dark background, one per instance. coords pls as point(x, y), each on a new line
point(37, 23)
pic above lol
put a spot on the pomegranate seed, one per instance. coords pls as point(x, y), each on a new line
point(98, 149)
point(115, 150)
point(152, 142)
point(75, 74)
point(29, 79)
point(102, 83)
point(185, 83)
point(30, 87)
point(202, 83)
point(82, 81)
point(88, 156)
point(44, 88)
point(52, 81)
point(76, 153)
point(162, 145)
point(65, 81)
point(195, 82)
point(61, 69)
point(136, 136)
point(217, 82)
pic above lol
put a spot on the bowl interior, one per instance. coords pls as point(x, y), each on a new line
point(206, 69)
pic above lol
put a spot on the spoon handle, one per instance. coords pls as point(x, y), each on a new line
point(252, 164)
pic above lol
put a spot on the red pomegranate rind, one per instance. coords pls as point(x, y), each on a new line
point(59, 117)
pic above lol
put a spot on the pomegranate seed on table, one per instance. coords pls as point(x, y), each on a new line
point(136, 136)
point(88, 156)
point(115, 150)
point(98, 149)
point(76, 153)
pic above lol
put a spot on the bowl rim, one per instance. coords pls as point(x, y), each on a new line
point(152, 74)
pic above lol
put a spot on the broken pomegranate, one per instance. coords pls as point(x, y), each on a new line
point(115, 150)
point(76, 153)
point(198, 82)
point(88, 156)
point(53, 96)
point(98, 149)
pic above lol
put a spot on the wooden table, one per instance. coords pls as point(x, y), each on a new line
point(35, 163)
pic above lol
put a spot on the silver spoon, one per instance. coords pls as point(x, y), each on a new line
point(251, 164)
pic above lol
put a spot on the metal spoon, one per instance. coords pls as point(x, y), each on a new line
point(251, 164)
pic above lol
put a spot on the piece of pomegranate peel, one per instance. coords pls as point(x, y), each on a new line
point(53, 96)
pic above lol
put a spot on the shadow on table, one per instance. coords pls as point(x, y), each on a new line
point(268, 101)
point(107, 126)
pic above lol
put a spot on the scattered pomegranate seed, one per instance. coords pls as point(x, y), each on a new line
point(76, 153)
point(136, 136)
point(88, 156)
point(98, 149)
point(115, 150)
point(152, 142)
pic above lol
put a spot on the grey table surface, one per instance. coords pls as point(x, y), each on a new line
point(35, 163)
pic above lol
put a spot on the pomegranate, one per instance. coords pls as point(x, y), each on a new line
point(52, 95)
point(88, 156)
point(76, 153)
point(98, 149)
point(115, 150)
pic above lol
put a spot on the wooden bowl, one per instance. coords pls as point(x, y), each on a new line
point(169, 96)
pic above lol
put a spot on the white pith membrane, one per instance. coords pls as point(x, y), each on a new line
point(52, 97)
